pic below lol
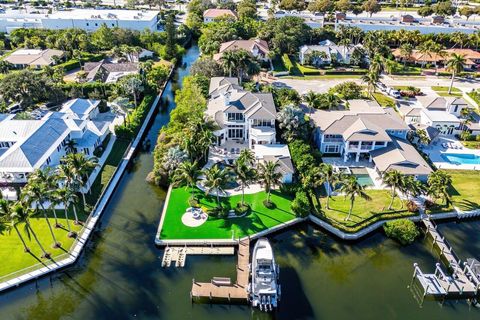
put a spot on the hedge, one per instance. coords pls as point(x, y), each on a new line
point(134, 119)
point(287, 63)
point(351, 72)
point(86, 57)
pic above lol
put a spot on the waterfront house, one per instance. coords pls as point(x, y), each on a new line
point(256, 47)
point(27, 145)
point(35, 58)
point(108, 72)
point(368, 132)
point(325, 53)
point(210, 15)
point(245, 120)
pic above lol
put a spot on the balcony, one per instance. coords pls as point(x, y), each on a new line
point(262, 133)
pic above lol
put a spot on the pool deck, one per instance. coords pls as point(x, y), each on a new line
point(437, 150)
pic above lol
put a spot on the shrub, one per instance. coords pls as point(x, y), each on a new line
point(402, 230)
point(300, 205)
point(241, 209)
point(412, 206)
point(192, 202)
point(128, 129)
point(348, 90)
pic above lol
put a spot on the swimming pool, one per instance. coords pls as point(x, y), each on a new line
point(461, 158)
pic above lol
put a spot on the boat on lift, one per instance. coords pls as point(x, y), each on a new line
point(264, 287)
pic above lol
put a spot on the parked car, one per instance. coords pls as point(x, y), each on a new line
point(15, 108)
point(394, 93)
point(381, 86)
point(277, 84)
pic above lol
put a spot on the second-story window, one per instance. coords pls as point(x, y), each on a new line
point(235, 116)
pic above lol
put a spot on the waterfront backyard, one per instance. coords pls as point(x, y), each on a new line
point(258, 219)
point(465, 189)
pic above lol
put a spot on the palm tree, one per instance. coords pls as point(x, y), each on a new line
point(370, 79)
point(406, 51)
point(49, 181)
point(22, 213)
point(247, 157)
point(70, 146)
point(438, 185)
point(245, 175)
point(331, 177)
point(11, 221)
point(455, 64)
point(36, 192)
point(189, 174)
point(394, 179)
point(66, 196)
point(80, 167)
point(216, 179)
point(269, 176)
point(351, 188)
point(312, 99)
point(229, 61)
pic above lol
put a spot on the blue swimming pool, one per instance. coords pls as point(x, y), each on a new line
point(461, 158)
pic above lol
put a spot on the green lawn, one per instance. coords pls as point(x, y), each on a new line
point(383, 100)
point(259, 219)
point(325, 77)
point(111, 163)
point(465, 189)
point(364, 212)
point(443, 91)
point(11, 249)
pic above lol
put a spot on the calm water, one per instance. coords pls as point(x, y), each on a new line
point(119, 276)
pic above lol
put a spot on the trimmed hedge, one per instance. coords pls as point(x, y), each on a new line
point(402, 230)
point(134, 119)
point(288, 63)
point(351, 72)
point(86, 57)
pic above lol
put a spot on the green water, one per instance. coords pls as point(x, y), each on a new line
point(119, 276)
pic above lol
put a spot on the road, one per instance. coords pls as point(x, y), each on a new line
point(322, 86)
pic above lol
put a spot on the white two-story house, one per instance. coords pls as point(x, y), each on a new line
point(243, 117)
point(27, 145)
point(365, 133)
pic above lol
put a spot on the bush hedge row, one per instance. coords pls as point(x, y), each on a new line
point(134, 119)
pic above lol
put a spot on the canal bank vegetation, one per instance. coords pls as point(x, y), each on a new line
point(403, 230)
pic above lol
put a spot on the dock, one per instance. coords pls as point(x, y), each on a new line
point(220, 288)
point(457, 283)
point(179, 254)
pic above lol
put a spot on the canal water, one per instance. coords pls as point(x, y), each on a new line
point(119, 276)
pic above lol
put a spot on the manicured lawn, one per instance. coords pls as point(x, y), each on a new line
point(12, 256)
point(465, 189)
point(259, 219)
point(443, 91)
point(364, 212)
point(383, 100)
point(108, 169)
point(326, 77)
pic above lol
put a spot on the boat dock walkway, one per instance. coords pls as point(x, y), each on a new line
point(179, 254)
point(460, 283)
point(223, 288)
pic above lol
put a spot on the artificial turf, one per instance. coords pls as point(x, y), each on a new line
point(260, 218)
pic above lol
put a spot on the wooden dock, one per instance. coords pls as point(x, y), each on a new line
point(222, 288)
point(459, 283)
point(179, 254)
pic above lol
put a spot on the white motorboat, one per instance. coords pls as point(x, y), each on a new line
point(264, 290)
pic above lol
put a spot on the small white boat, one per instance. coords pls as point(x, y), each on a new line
point(265, 290)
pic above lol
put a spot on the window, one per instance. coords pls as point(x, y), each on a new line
point(113, 24)
point(262, 123)
point(88, 24)
point(332, 149)
point(96, 24)
point(456, 109)
point(235, 117)
point(235, 133)
point(353, 144)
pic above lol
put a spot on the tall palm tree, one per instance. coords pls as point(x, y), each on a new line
point(406, 51)
point(22, 213)
point(49, 181)
point(66, 196)
point(394, 179)
point(438, 185)
point(269, 176)
point(216, 179)
point(229, 61)
point(247, 157)
point(312, 99)
point(80, 167)
point(331, 177)
point(352, 189)
point(11, 221)
point(187, 173)
point(455, 64)
point(371, 80)
point(245, 175)
point(37, 192)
